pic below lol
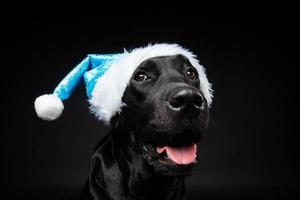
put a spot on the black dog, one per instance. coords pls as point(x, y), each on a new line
point(152, 144)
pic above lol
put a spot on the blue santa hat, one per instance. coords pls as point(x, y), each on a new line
point(106, 77)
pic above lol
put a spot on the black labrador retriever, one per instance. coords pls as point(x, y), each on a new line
point(152, 144)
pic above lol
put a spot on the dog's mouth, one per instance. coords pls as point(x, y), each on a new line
point(179, 155)
point(171, 160)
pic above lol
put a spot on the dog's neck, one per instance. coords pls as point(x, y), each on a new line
point(130, 175)
point(144, 182)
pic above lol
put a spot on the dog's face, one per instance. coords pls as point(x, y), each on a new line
point(166, 113)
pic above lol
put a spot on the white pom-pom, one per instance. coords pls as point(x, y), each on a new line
point(48, 107)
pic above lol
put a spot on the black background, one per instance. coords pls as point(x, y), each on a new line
point(251, 149)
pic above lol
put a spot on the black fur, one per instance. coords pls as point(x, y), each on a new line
point(125, 164)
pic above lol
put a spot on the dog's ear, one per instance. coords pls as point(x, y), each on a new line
point(115, 120)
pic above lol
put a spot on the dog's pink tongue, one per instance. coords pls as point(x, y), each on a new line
point(181, 155)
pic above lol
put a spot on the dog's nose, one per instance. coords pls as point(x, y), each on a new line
point(185, 99)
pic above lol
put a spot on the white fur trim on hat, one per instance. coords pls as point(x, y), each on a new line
point(106, 98)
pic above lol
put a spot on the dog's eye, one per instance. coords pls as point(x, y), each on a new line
point(141, 76)
point(192, 74)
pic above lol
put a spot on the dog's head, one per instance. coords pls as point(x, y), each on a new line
point(166, 113)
